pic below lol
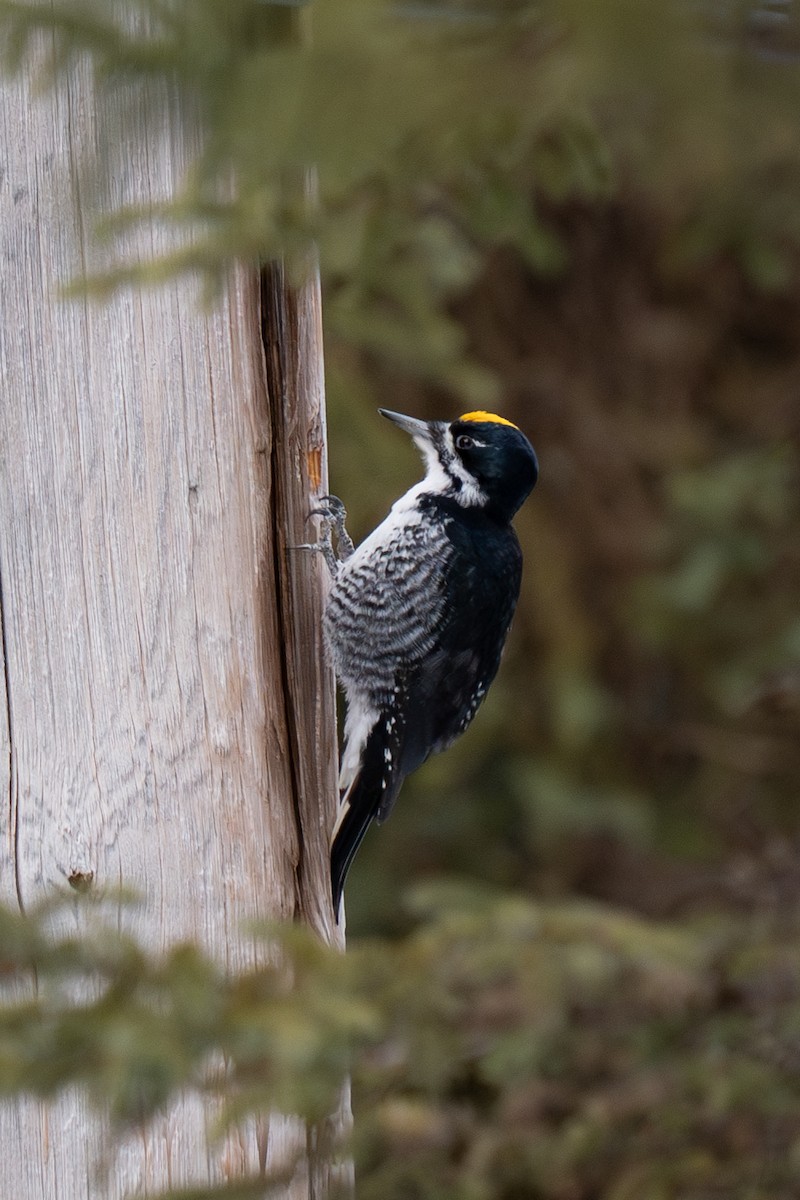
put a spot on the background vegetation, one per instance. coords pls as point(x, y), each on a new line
point(586, 215)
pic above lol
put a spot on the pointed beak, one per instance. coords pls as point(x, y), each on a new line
point(419, 430)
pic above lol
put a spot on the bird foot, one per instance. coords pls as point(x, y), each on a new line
point(333, 516)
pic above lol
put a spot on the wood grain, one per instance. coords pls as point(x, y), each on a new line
point(162, 667)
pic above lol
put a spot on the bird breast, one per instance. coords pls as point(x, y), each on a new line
point(385, 605)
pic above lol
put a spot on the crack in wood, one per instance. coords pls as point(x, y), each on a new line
point(276, 319)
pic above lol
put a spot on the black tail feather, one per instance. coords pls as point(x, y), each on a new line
point(349, 837)
point(370, 797)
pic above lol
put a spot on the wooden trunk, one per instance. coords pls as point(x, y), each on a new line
point(166, 720)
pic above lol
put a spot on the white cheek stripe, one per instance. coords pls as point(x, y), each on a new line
point(470, 492)
point(439, 478)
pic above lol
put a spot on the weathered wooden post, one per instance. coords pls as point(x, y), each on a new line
point(166, 720)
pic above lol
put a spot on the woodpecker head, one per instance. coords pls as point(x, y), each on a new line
point(480, 460)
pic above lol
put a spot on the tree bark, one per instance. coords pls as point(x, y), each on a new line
point(166, 717)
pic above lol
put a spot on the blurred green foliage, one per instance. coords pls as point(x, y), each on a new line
point(438, 130)
point(587, 215)
point(503, 1049)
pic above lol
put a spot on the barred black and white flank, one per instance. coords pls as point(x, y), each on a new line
point(418, 614)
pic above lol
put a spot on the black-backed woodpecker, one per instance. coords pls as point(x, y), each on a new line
point(418, 614)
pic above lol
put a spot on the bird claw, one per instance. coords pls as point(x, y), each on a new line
point(332, 508)
point(333, 516)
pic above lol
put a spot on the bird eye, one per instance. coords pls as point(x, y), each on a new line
point(464, 442)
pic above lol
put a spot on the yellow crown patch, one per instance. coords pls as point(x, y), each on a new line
point(487, 416)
